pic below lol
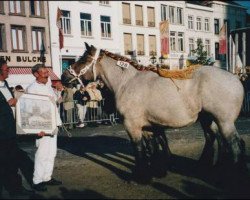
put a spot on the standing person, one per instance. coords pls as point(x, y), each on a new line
point(46, 145)
point(109, 100)
point(81, 96)
point(9, 177)
point(58, 91)
point(68, 105)
point(92, 104)
point(18, 91)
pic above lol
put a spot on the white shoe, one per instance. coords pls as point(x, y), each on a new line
point(80, 125)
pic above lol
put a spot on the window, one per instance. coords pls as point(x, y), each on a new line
point(18, 38)
point(106, 26)
point(2, 38)
point(207, 24)
point(164, 12)
point(126, 13)
point(65, 20)
point(86, 27)
point(36, 8)
point(171, 14)
point(207, 47)
point(216, 26)
point(104, 2)
point(2, 7)
point(127, 43)
point(190, 22)
point(172, 41)
point(217, 56)
point(179, 16)
point(151, 17)
point(180, 41)
point(37, 38)
point(191, 46)
point(16, 7)
point(140, 44)
point(138, 15)
point(152, 45)
point(198, 23)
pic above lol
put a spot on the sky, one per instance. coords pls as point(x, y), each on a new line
point(245, 4)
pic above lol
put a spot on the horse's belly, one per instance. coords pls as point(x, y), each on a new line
point(174, 121)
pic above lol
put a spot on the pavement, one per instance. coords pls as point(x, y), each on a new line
point(185, 134)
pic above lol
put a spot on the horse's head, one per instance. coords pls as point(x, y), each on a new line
point(84, 69)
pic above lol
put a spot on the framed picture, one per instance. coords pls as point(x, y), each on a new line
point(35, 113)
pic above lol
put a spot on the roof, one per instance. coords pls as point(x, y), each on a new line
point(27, 70)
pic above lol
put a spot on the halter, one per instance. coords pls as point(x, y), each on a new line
point(85, 69)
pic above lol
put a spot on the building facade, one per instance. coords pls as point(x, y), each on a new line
point(24, 34)
point(128, 28)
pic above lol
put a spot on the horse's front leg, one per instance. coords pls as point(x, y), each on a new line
point(161, 159)
point(141, 170)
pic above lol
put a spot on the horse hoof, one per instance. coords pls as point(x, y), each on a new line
point(142, 178)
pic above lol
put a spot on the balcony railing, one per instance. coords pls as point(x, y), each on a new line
point(140, 53)
point(152, 53)
point(151, 24)
point(139, 22)
point(126, 21)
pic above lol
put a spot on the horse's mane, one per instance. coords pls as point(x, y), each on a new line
point(176, 74)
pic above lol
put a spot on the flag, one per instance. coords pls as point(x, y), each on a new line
point(58, 24)
point(223, 40)
point(164, 34)
point(42, 52)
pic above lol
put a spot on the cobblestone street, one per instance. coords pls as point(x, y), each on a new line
point(97, 163)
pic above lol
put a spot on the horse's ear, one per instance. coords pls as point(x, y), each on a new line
point(87, 46)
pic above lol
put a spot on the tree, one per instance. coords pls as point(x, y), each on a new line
point(200, 55)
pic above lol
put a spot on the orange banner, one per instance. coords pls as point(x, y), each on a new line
point(223, 40)
point(164, 35)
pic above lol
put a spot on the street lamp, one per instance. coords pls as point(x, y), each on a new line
point(153, 58)
point(161, 59)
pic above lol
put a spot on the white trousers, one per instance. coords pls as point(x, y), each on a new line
point(44, 158)
point(81, 111)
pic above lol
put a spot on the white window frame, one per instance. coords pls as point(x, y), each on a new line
point(191, 46)
point(3, 37)
point(37, 37)
point(198, 24)
point(66, 23)
point(207, 46)
point(104, 3)
point(17, 38)
point(172, 17)
point(37, 7)
point(106, 25)
point(86, 26)
point(207, 24)
point(179, 18)
point(191, 22)
point(15, 7)
point(172, 40)
point(180, 40)
point(164, 12)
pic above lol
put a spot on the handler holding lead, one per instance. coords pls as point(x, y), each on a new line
point(46, 145)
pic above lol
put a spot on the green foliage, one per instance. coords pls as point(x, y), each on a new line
point(200, 55)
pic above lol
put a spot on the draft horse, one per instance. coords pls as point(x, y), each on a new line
point(148, 103)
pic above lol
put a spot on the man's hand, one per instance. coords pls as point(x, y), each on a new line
point(41, 134)
point(12, 102)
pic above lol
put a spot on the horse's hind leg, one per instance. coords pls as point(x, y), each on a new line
point(235, 146)
point(210, 129)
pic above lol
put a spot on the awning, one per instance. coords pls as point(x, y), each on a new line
point(27, 70)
